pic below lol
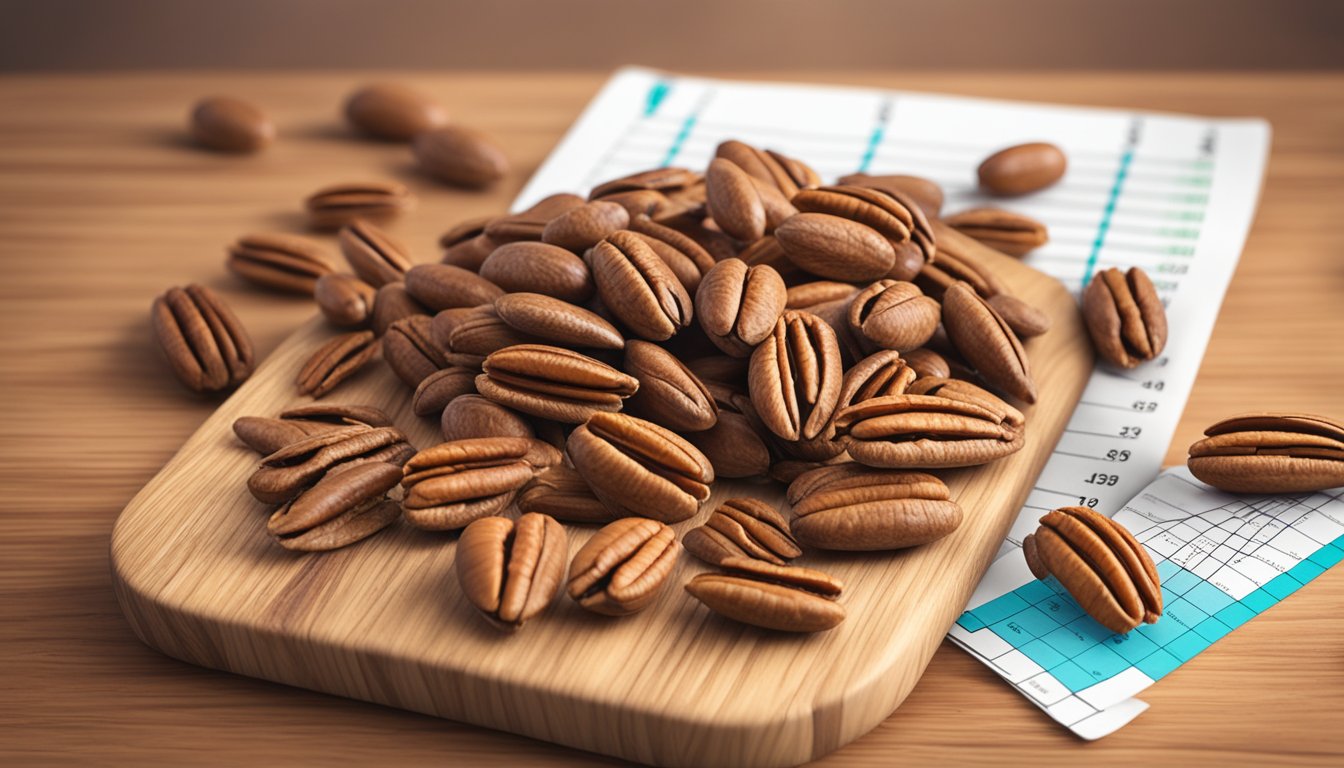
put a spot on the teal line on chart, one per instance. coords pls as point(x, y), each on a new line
point(657, 93)
point(875, 138)
point(1120, 175)
point(685, 131)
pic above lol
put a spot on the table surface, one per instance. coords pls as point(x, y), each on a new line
point(103, 204)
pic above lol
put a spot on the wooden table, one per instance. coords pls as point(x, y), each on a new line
point(103, 204)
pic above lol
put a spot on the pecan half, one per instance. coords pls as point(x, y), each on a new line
point(557, 322)
point(335, 361)
point(452, 484)
point(377, 257)
point(624, 566)
point(854, 508)
point(780, 171)
point(562, 493)
point(891, 314)
point(345, 300)
point(738, 305)
point(534, 267)
point(580, 228)
point(688, 259)
point(333, 207)
point(1125, 317)
point(440, 286)
point(956, 424)
point(640, 469)
point(986, 341)
point(281, 262)
point(267, 435)
point(743, 528)
point(668, 394)
point(892, 215)
point(287, 472)
point(440, 388)
point(553, 383)
point(1100, 563)
point(206, 346)
point(1271, 453)
point(1006, 231)
point(511, 571)
point(784, 598)
point(795, 375)
point(341, 509)
point(743, 206)
point(410, 350)
point(638, 287)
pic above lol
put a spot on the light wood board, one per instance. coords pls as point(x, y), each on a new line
point(385, 621)
point(102, 213)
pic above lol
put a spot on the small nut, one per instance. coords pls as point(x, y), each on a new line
point(624, 566)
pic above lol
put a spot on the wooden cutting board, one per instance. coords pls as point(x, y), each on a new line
point(384, 621)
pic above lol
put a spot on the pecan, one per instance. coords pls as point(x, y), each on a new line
point(638, 287)
point(668, 394)
point(785, 598)
point(392, 303)
point(440, 286)
point(855, 508)
point(335, 361)
point(624, 566)
point(393, 112)
point(553, 383)
point(986, 341)
point(345, 300)
point(926, 362)
point(460, 156)
point(529, 224)
point(894, 216)
point(657, 180)
point(580, 228)
point(511, 571)
point(734, 445)
point(738, 305)
point(471, 415)
point(440, 388)
point(1100, 563)
point(743, 206)
point(959, 258)
point(267, 435)
point(638, 468)
point(891, 314)
point(925, 193)
point(557, 322)
point(1125, 317)
point(563, 494)
point(539, 268)
point(287, 472)
point(743, 528)
point(878, 375)
point(341, 509)
point(795, 375)
point(1271, 453)
point(1025, 320)
point(1006, 231)
point(1021, 169)
point(281, 262)
point(779, 171)
point(452, 484)
point(208, 349)
point(333, 207)
point(835, 247)
point(377, 257)
point(956, 424)
point(410, 351)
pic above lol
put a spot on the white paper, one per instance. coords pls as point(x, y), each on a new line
point(1169, 193)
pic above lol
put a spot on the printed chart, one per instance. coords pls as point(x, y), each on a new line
point(1223, 560)
point(1169, 193)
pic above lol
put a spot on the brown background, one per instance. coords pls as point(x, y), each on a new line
point(685, 35)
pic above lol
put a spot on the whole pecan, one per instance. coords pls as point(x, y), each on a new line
point(1125, 316)
point(580, 228)
point(1021, 169)
point(956, 424)
point(335, 361)
point(785, 598)
point(562, 493)
point(624, 566)
point(743, 206)
point(855, 508)
point(511, 571)
point(835, 247)
point(377, 257)
point(440, 388)
point(738, 305)
point(638, 287)
point(267, 435)
point(410, 350)
point(891, 314)
point(1271, 453)
point(393, 112)
point(452, 484)
point(341, 509)
point(557, 322)
point(1100, 563)
point(331, 208)
point(285, 473)
point(743, 527)
point(281, 262)
point(553, 383)
point(534, 267)
point(206, 346)
point(795, 375)
point(460, 156)
point(638, 468)
point(669, 394)
point(440, 286)
point(986, 341)
point(345, 300)
point(780, 171)
point(1006, 231)
point(471, 415)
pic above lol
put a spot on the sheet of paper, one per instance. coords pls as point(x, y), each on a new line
point(1170, 193)
point(1223, 560)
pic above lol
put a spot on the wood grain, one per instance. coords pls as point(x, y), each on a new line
point(384, 621)
point(102, 206)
